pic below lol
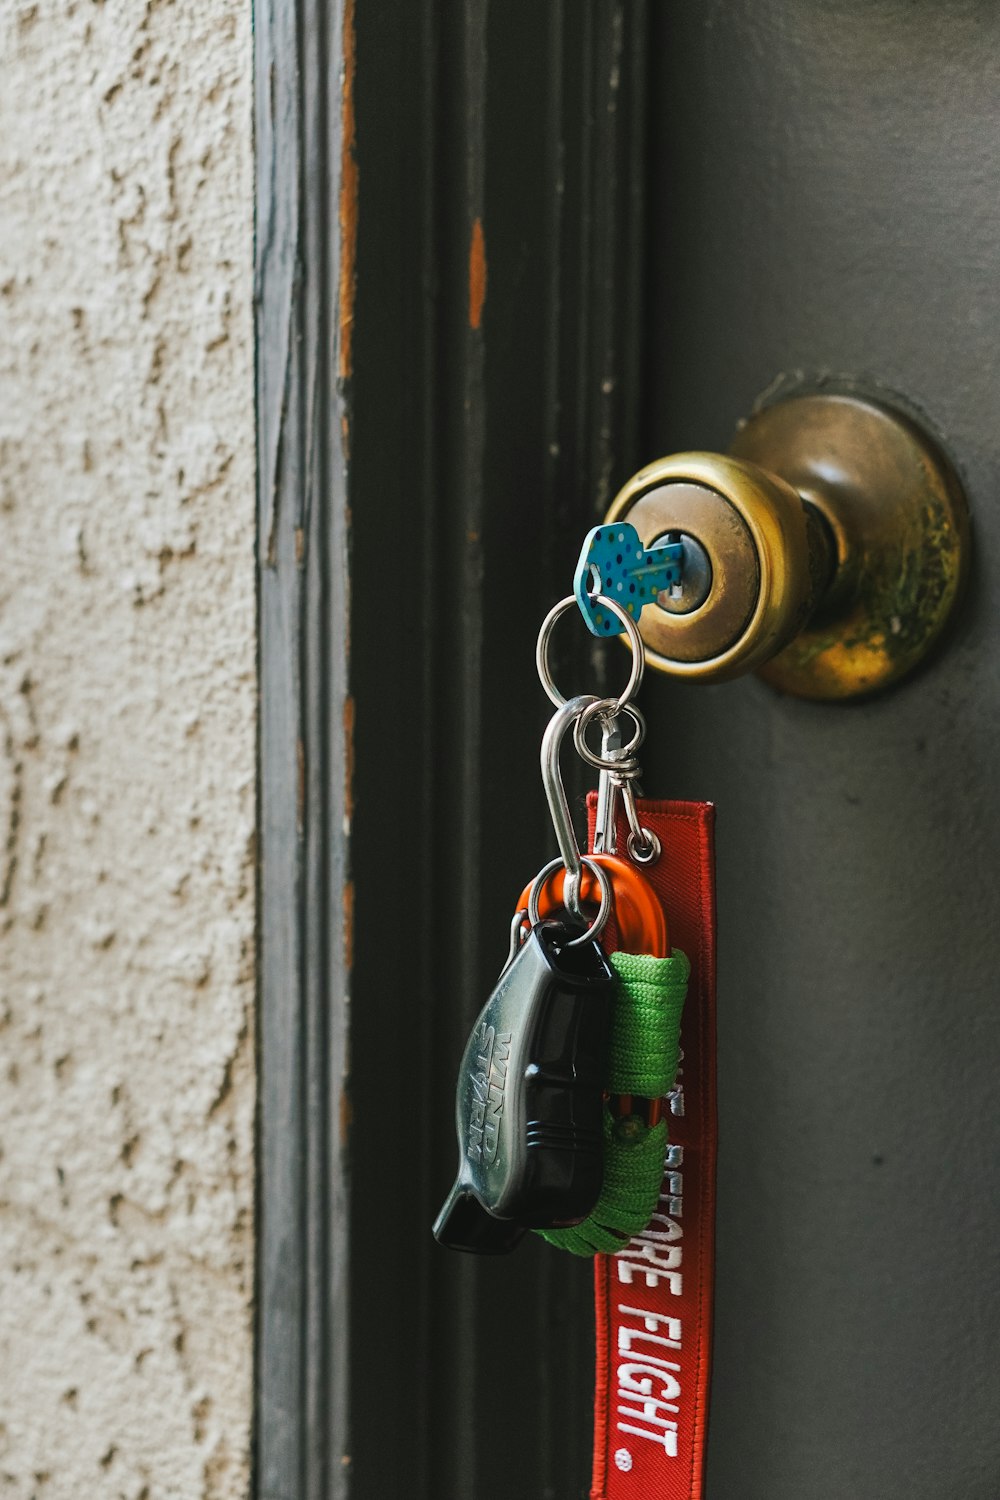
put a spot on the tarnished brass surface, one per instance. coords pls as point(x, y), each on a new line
point(754, 529)
point(899, 518)
point(709, 630)
point(832, 580)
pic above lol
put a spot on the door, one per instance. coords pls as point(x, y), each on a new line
point(820, 191)
point(507, 254)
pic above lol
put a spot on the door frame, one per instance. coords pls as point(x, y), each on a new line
point(450, 268)
point(303, 260)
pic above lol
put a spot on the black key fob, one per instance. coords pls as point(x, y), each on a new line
point(529, 1096)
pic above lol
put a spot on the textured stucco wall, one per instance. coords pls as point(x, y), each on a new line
point(127, 702)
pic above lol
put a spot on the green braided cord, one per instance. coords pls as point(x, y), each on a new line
point(645, 1037)
point(633, 1172)
point(646, 1022)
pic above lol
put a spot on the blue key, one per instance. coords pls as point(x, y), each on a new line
point(628, 573)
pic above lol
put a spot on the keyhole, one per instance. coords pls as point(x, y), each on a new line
point(696, 575)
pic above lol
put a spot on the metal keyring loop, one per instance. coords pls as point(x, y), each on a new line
point(635, 641)
point(608, 707)
point(603, 912)
point(650, 854)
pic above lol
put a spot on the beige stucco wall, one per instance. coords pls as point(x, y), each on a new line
point(127, 702)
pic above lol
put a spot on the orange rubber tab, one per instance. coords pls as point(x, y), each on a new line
point(638, 914)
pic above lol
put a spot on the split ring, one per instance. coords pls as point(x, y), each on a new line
point(634, 639)
point(608, 707)
point(604, 910)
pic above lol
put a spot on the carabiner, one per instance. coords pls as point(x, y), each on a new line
point(555, 792)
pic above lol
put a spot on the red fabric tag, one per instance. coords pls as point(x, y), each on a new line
point(654, 1299)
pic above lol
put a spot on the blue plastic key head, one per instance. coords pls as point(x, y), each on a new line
point(615, 563)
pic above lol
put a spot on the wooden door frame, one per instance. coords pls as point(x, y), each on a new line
point(466, 401)
point(303, 251)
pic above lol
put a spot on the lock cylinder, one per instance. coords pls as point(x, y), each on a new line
point(826, 551)
point(749, 540)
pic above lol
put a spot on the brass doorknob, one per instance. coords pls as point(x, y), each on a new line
point(826, 552)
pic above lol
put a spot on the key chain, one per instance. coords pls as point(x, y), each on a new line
point(529, 1096)
point(585, 1106)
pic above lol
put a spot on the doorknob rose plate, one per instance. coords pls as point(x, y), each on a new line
point(837, 539)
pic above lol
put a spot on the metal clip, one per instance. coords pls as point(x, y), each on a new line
point(569, 849)
point(620, 771)
point(612, 748)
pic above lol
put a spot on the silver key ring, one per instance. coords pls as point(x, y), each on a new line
point(635, 641)
point(604, 708)
point(603, 912)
